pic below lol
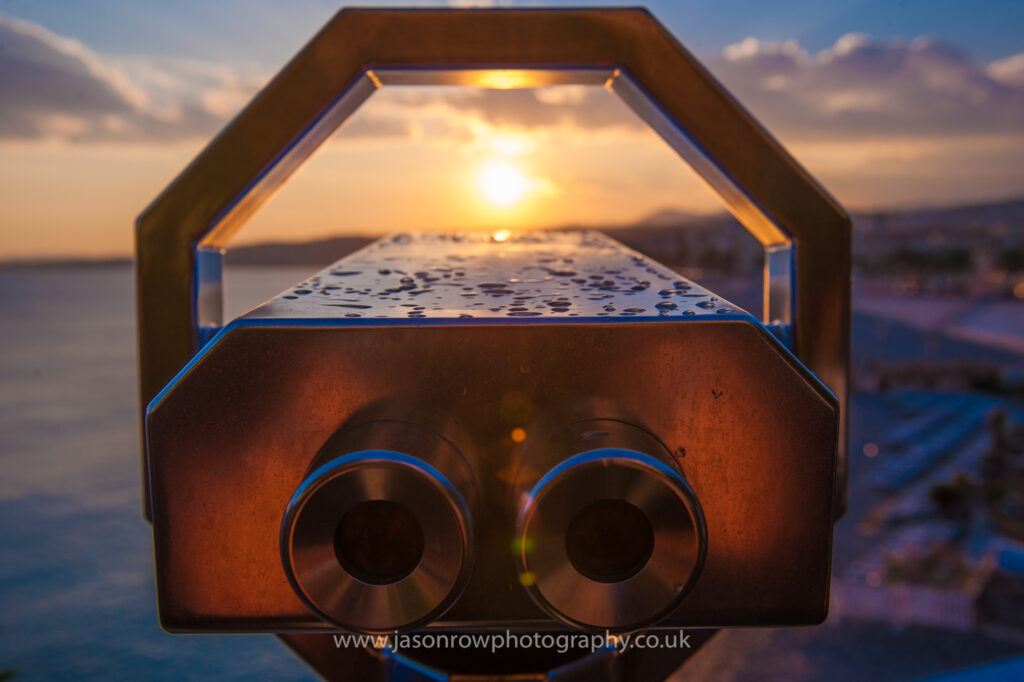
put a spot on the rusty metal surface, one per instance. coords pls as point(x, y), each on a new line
point(360, 50)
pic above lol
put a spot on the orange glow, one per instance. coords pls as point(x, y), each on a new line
point(506, 79)
point(518, 435)
point(503, 184)
point(512, 144)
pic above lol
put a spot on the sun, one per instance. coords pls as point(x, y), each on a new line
point(502, 183)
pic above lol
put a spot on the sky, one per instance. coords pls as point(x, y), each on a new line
point(102, 102)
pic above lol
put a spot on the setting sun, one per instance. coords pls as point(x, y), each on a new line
point(502, 183)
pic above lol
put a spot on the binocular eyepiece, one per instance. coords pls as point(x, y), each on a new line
point(379, 537)
point(612, 536)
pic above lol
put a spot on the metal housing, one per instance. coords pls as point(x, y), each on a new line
point(495, 345)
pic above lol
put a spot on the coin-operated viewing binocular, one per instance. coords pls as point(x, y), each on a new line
point(532, 431)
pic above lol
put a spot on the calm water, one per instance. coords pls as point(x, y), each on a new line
point(76, 573)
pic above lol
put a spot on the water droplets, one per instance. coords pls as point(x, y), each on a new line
point(530, 274)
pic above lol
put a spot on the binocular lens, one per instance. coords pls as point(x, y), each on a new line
point(610, 539)
point(379, 540)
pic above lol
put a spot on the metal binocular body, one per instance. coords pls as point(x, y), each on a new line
point(522, 430)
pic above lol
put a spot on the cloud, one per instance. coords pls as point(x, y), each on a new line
point(859, 88)
point(862, 87)
point(1009, 71)
point(53, 87)
point(577, 106)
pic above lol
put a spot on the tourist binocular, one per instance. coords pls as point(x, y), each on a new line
point(513, 429)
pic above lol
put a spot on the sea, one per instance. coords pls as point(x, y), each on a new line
point(77, 598)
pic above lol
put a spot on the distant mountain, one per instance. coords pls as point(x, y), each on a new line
point(318, 252)
point(670, 217)
point(62, 262)
point(1009, 210)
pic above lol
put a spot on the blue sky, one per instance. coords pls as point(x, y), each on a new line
point(989, 29)
point(888, 103)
